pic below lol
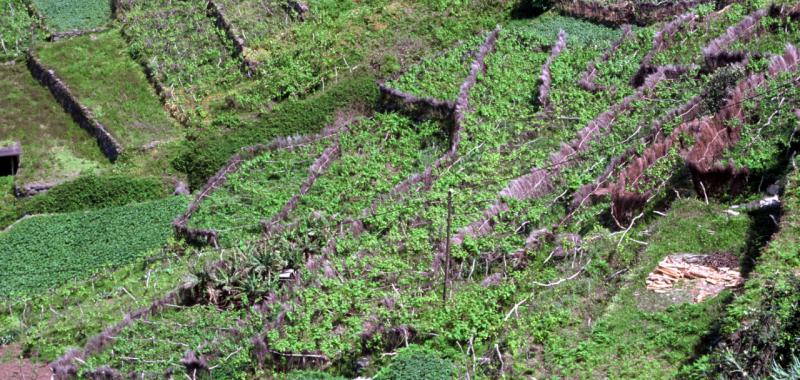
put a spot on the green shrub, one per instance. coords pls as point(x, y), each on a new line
point(92, 192)
point(209, 151)
point(417, 363)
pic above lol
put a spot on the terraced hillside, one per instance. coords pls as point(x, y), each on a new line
point(517, 190)
point(55, 148)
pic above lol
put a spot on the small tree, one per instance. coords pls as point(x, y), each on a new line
point(417, 363)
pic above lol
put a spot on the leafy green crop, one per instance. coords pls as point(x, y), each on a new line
point(46, 251)
point(417, 363)
point(64, 15)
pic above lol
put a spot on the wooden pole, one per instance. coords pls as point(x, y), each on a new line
point(447, 244)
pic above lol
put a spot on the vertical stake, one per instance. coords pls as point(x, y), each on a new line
point(447, 244)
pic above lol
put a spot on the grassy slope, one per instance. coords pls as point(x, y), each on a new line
point(760, 324)
point(396, 250)
point(102, 75)
point(338, 38)
point(582, 328)
point(54, 147)
point(344, 34)
point(645, 335)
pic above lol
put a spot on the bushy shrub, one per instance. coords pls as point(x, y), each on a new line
point(92, 192)
point(720, 85)
point(202, 157)
point(417, 363)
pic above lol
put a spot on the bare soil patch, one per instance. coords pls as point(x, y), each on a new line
point(14, 366)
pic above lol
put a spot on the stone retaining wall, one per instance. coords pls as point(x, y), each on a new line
point(626, 12)
point(418, 108)
point(73, 33)
point(80, 113)
point(210, 236)
point(218, 12)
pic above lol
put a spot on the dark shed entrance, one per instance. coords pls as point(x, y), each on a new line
point(9, 159)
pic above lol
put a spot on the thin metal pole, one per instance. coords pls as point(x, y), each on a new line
point(447, 244)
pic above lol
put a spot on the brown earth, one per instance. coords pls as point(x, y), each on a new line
point(13, 366)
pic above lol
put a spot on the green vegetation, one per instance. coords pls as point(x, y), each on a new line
point(209, 151)
point(295, 58)
point(123, 101)
point(772, 132)
point(379, 153)
point(85, 193)
point(185, 51)
point(17, 29)
point(8, 210)
point(184, 330)
point(98, 302)
point(642, 334)
point(344, 35)
point(558, 215)
point(95, 192)
point(66, 15)
point(417, 363)
point(260, 189)
point(760, 329)
point(55, 149)
point(46, 251)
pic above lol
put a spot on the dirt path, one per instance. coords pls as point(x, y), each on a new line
point(12, 366)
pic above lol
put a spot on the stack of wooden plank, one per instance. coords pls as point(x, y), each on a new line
point(705, 280)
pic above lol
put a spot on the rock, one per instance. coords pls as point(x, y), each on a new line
point(181, 188)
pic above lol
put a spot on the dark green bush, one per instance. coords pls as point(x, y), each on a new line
point(723, 80)
point(92, 192)
point(209, 151)
point(417, 363)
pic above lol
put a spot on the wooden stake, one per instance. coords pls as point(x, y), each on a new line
point(447, 244)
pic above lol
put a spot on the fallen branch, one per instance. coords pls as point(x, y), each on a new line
point(564, 279)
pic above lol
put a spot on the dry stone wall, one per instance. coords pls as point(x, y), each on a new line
point(626, 12)
point(80, 113)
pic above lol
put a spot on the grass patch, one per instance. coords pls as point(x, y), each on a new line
point(629, 341)
point(54, 147)
point(123, 100)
